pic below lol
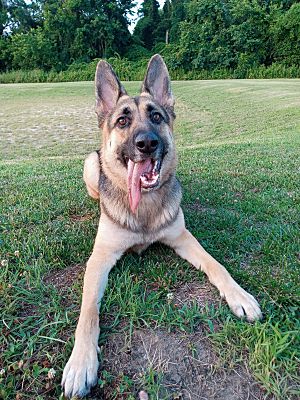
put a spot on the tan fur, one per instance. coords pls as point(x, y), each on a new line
point(91, 172)
point(159, 218)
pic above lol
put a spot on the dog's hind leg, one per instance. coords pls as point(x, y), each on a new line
point(91, 173)
point(80, 373)
point(187, 246)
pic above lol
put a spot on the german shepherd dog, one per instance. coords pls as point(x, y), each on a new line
point(133, 175)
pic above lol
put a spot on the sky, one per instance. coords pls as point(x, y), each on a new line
point(135, 9)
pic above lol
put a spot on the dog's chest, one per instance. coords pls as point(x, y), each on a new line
point(156, 210)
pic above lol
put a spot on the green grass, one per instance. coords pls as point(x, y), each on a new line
point(238, 145)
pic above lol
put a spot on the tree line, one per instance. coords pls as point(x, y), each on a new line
point(193, 35)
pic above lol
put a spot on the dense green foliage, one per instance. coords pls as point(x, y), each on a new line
point(135, 70)
point(146, 29)
point(238, 34)
point(53, 34)
point(198, 38)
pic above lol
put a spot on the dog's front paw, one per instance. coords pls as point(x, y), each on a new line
point(80, 373)
point(241, 303)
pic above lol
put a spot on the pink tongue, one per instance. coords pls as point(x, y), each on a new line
point(135, 170)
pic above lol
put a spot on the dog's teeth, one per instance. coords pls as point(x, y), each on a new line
point(156, 166)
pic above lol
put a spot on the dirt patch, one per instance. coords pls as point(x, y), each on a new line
point(188, 367)
point(167, 365)
point(204, 294)
point(81, 218)
point(64, 278)
point(197, 206)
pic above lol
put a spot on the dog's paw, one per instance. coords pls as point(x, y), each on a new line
point(80, 373)
point(241, 303)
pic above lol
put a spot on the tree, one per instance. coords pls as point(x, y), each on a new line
point(249, 32)
point(55, 33)
point(162, 33)
point(33, 50)
point(286, 37)
point(178, 14)
point(224, 34)
point(22, 16)
point(205, 40)
point(83, 30)
point(3, 17)
point(203, 34)
point(145, 31)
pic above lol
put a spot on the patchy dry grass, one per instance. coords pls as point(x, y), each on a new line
point(163, 327)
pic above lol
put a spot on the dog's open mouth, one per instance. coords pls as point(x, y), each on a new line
point(142, 175)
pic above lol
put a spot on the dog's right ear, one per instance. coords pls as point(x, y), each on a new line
point(108, 90)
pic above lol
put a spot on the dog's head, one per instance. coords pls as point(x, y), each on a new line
point(138, 151)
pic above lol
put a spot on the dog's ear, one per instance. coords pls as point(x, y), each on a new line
point(157, 82)
point(108, 90)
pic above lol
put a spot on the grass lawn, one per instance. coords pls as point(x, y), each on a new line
point(163, 328)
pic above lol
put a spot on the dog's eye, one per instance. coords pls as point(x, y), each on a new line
point(156, 117)
point(122, 122)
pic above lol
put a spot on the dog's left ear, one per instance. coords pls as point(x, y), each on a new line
point(157, 83)
point(108, 90)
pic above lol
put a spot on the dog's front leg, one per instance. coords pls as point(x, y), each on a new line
point(80, 373)
point(91, 173)
point(187, 246)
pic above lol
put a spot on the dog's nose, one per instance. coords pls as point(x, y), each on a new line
point(146, 142)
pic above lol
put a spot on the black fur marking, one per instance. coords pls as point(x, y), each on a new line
point(151, 108)
point(125, 150)
point(126, 111)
